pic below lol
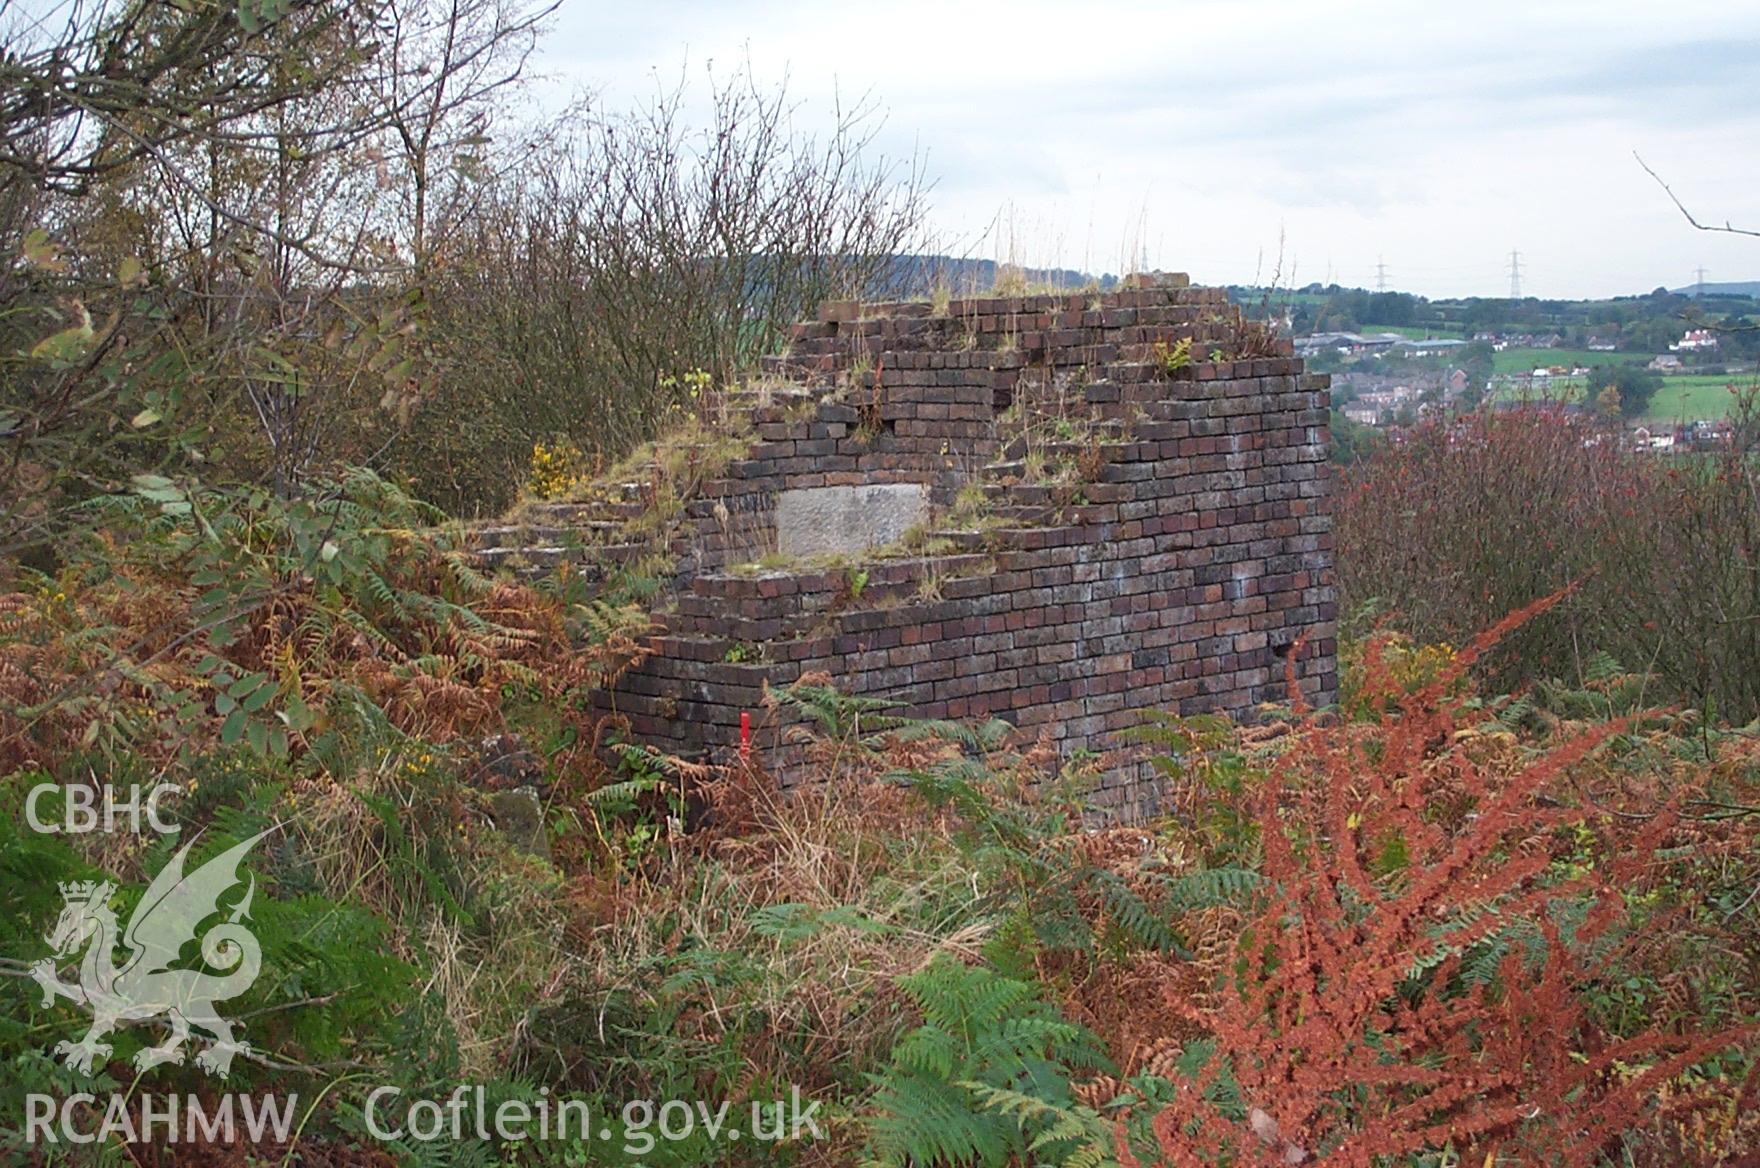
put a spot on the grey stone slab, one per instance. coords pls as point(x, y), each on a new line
point(827, 521)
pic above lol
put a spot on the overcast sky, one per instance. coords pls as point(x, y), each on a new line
point(1433, 137)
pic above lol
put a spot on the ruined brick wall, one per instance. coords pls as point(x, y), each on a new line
point(1180, 550)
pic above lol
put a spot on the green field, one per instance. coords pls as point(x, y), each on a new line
point(1527, 360)
point(1694, 396)
point(1686, 398)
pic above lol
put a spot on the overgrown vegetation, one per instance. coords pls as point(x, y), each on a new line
point(271, 264)
point(1339, 944)
point(250, 244)
point(1465, 520)
point(606, 291)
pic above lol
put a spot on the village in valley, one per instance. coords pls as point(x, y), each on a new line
point(1662, 368)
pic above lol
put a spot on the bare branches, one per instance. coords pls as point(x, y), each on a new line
point(1726, 227)
point(329, 219)
point(116, 82)
point(641, 247)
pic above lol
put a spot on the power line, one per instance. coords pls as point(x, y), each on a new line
point(1515, 274)
point(1380, 275)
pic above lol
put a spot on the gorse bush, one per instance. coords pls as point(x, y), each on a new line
point(1463, 521)
point(557, 468)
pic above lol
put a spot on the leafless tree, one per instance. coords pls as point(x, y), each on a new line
point(639, 249)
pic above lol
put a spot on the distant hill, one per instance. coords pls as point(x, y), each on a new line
point(921, 275)
point(1734, 288)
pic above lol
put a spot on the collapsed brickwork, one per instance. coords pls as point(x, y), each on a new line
point(1124, 508)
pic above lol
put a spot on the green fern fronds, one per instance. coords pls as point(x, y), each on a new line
point(1210, 888)
point(1516, 712)
point(1600, 667)
point(981, 1029)
point(842, 716)
point(1139, 926)
point(1075, 1137)
point(980, 738)
point(621, 795)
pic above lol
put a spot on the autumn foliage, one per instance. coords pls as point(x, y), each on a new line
point(1431, 925)
point(1421, 972)
point(159, 638)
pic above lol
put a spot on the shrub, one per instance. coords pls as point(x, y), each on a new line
point(600, 288)
point(1464, 521)
point(558, 469)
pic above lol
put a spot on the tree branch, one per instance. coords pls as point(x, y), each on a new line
point(1682, 207)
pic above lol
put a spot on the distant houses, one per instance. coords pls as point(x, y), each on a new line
point(1391, 380)
point(1348, 343)
point(1701, 435)
point(1501, 341)
point(1356, 344)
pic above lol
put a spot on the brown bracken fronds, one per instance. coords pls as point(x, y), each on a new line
point(122, 650)
point(1418, 972)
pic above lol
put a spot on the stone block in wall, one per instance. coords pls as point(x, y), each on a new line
point(847, 520)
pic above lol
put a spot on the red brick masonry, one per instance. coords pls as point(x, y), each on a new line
point(1175, 576)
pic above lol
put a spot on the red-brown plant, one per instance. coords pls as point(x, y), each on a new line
point(122, 649)
point(1396, 851)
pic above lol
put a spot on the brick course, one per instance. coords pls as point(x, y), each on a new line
point(1176, 573)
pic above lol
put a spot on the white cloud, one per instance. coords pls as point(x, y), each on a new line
point(1438, 137)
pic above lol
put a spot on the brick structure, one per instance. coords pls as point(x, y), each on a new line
point(1134, 529)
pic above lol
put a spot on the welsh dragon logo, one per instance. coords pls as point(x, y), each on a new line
point(146, 985)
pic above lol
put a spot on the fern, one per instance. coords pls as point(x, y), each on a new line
point(1075, 1137)
point(1044, 887)
point(1209, 888)
point(461, 570)
point(1139, 925)
point(842, 716)
point(1600, 667)
point(975, 739)
point(622, 795)
point(981, 1031)
point(1516, 713)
